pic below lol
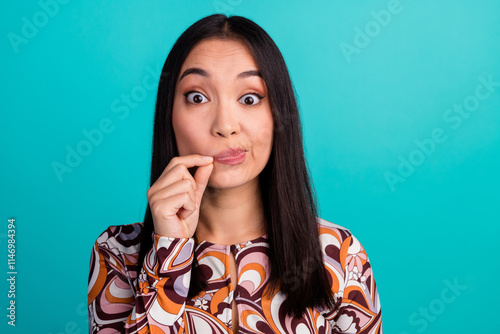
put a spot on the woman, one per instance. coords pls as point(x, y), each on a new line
point(231, 241)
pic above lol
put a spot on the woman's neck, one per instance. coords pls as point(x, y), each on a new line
point(231, 216)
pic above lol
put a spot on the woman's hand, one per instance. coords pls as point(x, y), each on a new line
point(174, 199)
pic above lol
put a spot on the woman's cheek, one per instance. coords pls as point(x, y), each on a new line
point(186, 136)
point(264, 136)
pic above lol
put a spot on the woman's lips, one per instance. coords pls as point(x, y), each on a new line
point(231, 156)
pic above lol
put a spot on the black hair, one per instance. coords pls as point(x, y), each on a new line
point(290, 210)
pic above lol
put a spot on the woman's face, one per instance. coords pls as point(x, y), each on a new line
point(222, 103)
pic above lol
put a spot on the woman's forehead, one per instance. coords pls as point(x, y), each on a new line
point(220, 54)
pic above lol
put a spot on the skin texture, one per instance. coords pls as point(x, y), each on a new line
point(213, 111)
point(222, 120)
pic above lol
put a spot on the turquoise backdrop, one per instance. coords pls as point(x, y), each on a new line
point(400, 103)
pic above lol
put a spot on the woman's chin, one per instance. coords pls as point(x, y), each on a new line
point(215, 186)
point(224, 180)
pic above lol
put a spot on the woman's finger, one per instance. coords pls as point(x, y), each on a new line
point(178, 168)
point(201, 178)
point(165, 215)
point(187, 161)
point(178, 187)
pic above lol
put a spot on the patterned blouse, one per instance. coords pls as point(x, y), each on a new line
point(123, 298)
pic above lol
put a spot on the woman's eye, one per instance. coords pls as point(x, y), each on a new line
point(250, 99)
point(195, 97)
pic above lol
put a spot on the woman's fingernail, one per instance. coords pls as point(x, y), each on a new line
point(207, 158)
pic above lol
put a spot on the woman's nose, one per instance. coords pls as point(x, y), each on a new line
point(225, 122)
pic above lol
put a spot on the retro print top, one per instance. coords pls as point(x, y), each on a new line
point(123, 298)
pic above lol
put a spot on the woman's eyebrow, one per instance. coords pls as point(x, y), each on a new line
point(247, 74)
point(202, 72)
point(194, 70)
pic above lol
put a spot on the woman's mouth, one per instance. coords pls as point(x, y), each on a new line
point(231, 156)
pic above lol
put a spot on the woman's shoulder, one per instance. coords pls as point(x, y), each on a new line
point(124, 239)
point(329, 230)
point(337, 242)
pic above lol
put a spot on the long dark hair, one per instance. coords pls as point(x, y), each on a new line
point(290, 210)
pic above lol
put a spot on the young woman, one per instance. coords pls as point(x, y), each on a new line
point(231, 241)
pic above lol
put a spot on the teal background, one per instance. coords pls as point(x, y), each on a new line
point(359, 113)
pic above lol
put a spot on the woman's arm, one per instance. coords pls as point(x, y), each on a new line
point(118, 300)
point(346, 261)
point(359, 311)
